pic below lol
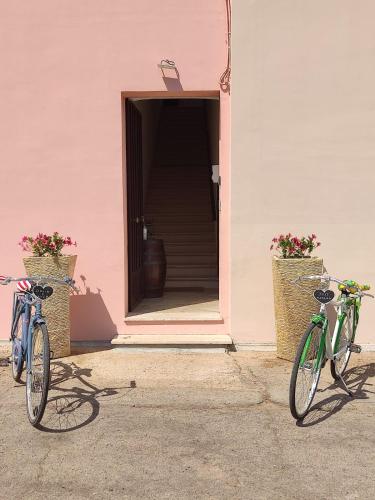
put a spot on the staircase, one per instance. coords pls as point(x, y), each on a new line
point(178, 204)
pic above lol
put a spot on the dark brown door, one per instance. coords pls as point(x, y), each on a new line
point(135, 203)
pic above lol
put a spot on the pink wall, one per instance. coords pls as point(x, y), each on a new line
point(64, 65)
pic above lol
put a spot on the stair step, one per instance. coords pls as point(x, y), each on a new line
point(211, 284)
point(184, 237)
point(177, 218)
point(191, 251)
point(191, 259)
point(191, 271)
point(192, 171)
point(177, 246)
point(185, 212)
point(182, 202)
point(173, 179)
point(175, 193)
point(186, 227)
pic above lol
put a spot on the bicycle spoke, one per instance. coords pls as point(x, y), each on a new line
point(36, 372)
point(343, 347)
point(37, 376)
point(308, 373)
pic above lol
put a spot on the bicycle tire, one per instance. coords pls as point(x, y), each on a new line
point(297, 412)
point(335, 372)
point(17, 355)
point(38, 382)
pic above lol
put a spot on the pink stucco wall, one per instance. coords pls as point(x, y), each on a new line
point(63, 67)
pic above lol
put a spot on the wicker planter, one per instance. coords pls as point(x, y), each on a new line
point(293, 308)
point(56, 308)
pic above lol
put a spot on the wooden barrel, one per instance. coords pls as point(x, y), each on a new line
point(154, 268)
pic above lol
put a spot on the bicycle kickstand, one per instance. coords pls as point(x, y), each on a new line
point(346, 388)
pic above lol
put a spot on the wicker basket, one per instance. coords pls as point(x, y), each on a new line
point(56, 308)
point(293, 307)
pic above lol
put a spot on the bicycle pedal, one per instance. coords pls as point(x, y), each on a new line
point(355, 348)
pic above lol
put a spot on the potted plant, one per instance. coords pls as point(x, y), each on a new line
point(293, 307)
point(47, 260)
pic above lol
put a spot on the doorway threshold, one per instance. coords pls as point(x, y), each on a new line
point(178, 306)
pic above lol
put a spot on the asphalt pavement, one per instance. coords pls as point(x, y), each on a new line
point(187, 426)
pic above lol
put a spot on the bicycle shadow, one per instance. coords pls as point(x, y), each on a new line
point(356, 379)
point(71, 408)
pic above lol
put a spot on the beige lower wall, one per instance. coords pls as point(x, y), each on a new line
point(302, 146)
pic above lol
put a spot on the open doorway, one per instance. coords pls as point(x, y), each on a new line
point(172, 160)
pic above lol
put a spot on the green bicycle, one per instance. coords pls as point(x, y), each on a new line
point(318, 345)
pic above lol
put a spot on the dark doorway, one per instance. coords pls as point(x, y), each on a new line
point(176, 142)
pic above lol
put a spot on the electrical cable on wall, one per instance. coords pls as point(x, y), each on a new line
point(225, 77)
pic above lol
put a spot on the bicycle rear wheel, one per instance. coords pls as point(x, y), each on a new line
point(306, 372)
point(37, 378)
point(338, 366)
point(17, 355)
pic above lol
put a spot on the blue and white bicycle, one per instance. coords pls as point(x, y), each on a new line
point(29, 338)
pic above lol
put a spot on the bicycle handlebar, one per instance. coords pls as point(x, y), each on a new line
point(41, 279)
point(327, 278)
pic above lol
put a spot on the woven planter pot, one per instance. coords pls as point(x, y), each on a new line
point(293, 307)
point(56, 308)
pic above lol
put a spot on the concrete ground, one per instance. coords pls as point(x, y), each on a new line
point(187, 426)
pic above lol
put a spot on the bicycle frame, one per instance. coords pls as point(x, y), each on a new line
point(329, 344)
point(28, 323)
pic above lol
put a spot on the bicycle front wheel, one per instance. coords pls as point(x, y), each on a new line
point(37, 378)
point(306, 371)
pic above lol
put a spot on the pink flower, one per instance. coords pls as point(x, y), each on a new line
point(44, 244)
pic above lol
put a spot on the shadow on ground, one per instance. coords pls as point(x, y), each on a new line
point(71, 407)
point(356, 379)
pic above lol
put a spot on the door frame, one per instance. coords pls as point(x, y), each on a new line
point(224, 232)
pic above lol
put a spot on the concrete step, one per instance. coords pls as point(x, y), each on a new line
point(170, 339)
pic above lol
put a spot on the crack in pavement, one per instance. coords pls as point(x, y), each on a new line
point(254, 379)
